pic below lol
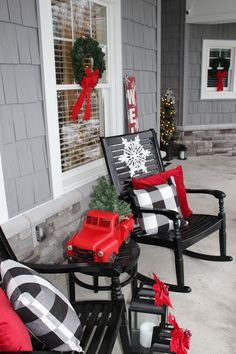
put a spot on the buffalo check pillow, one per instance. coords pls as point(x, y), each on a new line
point(46, 312)
point(163, 196)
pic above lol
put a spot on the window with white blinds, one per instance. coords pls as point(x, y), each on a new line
point(79, 140)
point(212, 50)
point(215, 53)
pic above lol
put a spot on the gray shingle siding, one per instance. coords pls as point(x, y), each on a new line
point(22, 122)
point(139, 55)
point(15, 11)
point(171, 50)
point(4, 13)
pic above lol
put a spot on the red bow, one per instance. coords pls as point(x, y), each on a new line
point(220, 75)
point(88, 83)
point(162, 293)
point(180, 340)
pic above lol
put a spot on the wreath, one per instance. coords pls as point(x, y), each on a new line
point(84, 47)
point(224, 64)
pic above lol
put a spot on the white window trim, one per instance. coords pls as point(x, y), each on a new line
point(206, 93)
point(64, 182)
point(4, 209)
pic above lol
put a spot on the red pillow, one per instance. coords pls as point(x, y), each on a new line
point(13, 334)
point(162, 177)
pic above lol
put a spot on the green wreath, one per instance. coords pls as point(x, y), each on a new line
point(83, 47)
point(224, 63)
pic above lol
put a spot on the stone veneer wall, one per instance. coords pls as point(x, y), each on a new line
point(210, 142)
point(57, 220)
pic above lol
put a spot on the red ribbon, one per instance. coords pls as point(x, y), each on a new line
point(180, 340)
point(88, 83)
point(220, 75)
point(162, 293)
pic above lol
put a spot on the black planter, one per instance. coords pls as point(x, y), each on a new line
point(169, 151)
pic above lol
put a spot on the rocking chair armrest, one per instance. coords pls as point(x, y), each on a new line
point(171, 214)
point(216, 193)
point(91, 268)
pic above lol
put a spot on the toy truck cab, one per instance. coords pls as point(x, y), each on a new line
point(100, 237)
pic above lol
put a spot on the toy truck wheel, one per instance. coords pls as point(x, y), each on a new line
point(112, 257)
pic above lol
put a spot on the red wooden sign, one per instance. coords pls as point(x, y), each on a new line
point(131, 104)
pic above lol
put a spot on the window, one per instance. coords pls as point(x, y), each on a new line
point(211, 52)
point(79, 141)
point(104, 223)
point(74, 147)
point(91, 220)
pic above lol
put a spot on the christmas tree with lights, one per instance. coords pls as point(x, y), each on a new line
point(167, 120)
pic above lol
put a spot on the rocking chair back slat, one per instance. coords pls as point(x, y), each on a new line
point(119, 172)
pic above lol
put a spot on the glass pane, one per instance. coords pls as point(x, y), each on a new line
point(226, 53)
point(212, 81)
point(63, 63)
point(81, 18)
point(91, 220)
point(99, 23)
point(61, 15)
point(104, 223)
point(214, 53)
point(79, 140)
point(99, 31)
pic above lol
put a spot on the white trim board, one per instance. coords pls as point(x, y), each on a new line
point(3, 209)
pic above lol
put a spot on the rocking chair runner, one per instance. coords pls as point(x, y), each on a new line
point(102, 320)
point(179, 239)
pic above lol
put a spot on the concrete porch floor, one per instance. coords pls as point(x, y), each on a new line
point(209, 311)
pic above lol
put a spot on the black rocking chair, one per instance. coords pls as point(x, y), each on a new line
point(179, 239)
point(102, 320)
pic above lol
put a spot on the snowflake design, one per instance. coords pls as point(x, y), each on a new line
point(134, 155)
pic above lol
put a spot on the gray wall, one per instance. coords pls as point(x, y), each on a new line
point(22, 135)
point(201, 112)
point(139, 52)
point(172, 17)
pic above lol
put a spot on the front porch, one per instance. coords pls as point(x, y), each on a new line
point(208, 311)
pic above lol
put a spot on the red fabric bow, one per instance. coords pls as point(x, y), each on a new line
point(220, 75)
point(88, 83)
point(162, 293)
point(180, 340)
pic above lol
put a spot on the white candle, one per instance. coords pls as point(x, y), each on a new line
point(145, 334)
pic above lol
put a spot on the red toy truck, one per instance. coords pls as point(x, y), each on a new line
point(100, 237)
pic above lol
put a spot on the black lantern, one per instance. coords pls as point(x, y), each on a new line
point(183, 152)
point(142, 333)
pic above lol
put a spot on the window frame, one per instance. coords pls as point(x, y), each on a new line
point(208, 93)
point(4, 208)
point(63, 182)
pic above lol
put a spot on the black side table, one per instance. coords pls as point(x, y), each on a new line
point(126, 260)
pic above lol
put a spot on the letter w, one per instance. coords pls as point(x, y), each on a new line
point(131, 96)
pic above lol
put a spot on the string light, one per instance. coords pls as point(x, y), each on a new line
point(167, 117)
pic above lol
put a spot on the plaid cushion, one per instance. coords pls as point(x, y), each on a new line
point(46, 312)
point(163, 196)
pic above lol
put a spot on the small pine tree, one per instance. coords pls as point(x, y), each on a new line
point(167, 117)
point(105, 197)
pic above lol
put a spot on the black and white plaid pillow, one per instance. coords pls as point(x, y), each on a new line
point(46, 312)
point(163, 196)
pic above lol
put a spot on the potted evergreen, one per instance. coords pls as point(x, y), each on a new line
point(104, 197)
point(168, 134)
